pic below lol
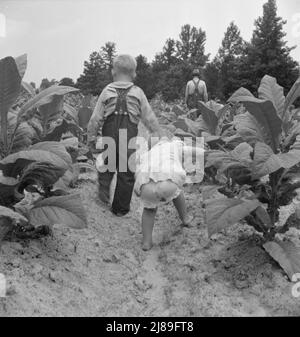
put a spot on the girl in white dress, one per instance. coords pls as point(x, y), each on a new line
point(160, 176)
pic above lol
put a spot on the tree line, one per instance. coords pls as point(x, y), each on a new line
point(237, 63)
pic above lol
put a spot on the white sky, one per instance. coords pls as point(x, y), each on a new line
point(59, 35)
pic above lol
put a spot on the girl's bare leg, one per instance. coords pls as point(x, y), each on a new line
point(180, 205)
point(147, 227)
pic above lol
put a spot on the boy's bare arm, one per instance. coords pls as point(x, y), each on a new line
point(94, 123)
point(205, 93)
point(186, 93)
point(148, 117)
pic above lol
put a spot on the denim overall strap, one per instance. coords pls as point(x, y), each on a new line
point(121, 105)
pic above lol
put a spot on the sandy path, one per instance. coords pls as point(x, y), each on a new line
point(102, 271)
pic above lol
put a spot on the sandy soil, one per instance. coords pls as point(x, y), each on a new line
point(102, 271)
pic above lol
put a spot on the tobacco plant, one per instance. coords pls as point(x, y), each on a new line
point(26, 167)
point(261, 174)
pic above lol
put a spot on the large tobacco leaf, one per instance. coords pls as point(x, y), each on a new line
point(55, 133)
point(293, 94)
point(51, 112)
point(10, 84)
point(14, 164)
point(21, 62)
point(270, 90)
point(19, 137)
point(239, 157)
point(286, 254)
point(249, 128)
point(44, 97)
point(270, 124)
point(54, 147)
point(8, 219)
point(241, 92)
point(223, 213)
point(28, 87)
point(266, 162)
point(67, 210)
point(40, 174)
point(209, 117)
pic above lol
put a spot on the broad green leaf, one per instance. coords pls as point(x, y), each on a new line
point(293, 94)
point(55, 133)
point(19, 135)
point(216, 107)
point(84, 116)
point(44, 97)
point(70, 143)
point(270, 124)
point(263, 216)
point(21, 62)
point(9, 219)
point(239, 157)
point(51, 112)
point(67, 210)
point(54, 147)
point(10, 84)
point(292, 135)
point(242, 92)
point(286, 254)
point(248, 128)
point(223, 213)
point(28, 87)
point(188, 126)
point(270, 90)
point(14, 164)
point(40, 174)
point(208, 192)
point(71, 111)
point(209, 117)
point(266, 162)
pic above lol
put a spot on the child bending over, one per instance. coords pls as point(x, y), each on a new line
point(160, 177)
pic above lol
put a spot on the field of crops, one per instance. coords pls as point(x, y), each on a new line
point(62, 252)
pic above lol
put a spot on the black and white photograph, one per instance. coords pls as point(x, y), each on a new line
point(150, 161)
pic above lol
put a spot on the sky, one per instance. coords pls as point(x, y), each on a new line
point(59, 35)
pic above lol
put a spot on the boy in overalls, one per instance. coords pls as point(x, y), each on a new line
point(118, 111)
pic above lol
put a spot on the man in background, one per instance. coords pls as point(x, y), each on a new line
point(195, 91)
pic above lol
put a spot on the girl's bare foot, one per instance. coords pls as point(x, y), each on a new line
point(147, 246)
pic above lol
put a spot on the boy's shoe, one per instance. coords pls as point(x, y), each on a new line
point(118, 213)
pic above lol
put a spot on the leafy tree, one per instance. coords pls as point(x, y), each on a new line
point(47, 84)
point(172, 68)
point(144, 78)
point(212, 80)
point(228, 61)
point(97, 71)
point(191, 46)
point(67, 81)
point(268, 52)
point(175, 79)
point(108, 53)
